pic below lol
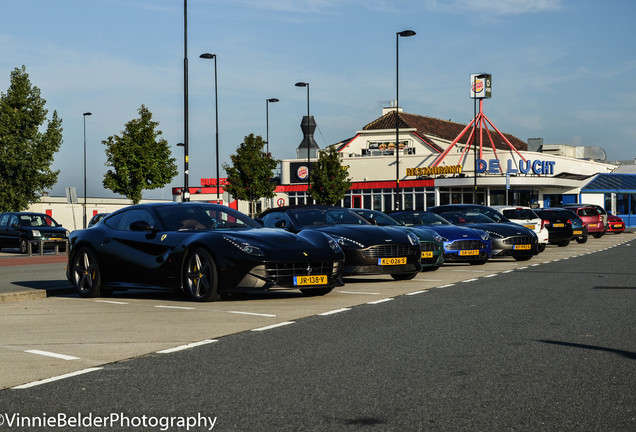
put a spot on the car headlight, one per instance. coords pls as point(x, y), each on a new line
point(494, 234)
point(347, 242)
point(413, 239)
point(333, 245)
point(245, 247)
point(36, 233)
point(438, 238)
point(485, 236)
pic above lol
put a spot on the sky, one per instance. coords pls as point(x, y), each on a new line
point(562, 70)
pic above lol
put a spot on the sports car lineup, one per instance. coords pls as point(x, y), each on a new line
point(209, 251)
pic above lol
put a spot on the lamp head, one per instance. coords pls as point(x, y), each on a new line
point(406, 33)
point(302, 84)
point(272, 100)
point(87, 114)
point(207, 56)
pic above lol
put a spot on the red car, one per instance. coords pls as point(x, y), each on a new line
point(616, 224)
point(591, 217)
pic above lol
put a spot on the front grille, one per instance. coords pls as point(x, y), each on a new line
point(288, 270)
point(429, 247)
point(390, 251)
point(466, 244)
point(520, 240)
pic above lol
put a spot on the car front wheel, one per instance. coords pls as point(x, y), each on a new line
point(403, 276)
point(200, 276)
point(85, 273)
point(314, 292)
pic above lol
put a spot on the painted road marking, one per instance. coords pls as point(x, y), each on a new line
point(358, 292)
point(175, 307)
point(380, 301)
point(187, 346)
point(273, 326)
point(52, 354)
point(335, 311)
point(60, 377)
point(250, 313)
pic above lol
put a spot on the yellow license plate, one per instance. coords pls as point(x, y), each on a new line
point(310, 280)
point(577, 232)
point(529, 226)
point(521, 247)
point(468, 252)
point(428, 254)
point(619, 226)
point(392, 261)
point(558, 225)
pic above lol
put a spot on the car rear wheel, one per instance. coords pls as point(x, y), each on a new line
point(403, 276)
point(522, 257)
point(581, 239)
point(200, 276)
point(563, 243)
point(541, 247)
point(85, 273)
point(314, 292)
point(598, 235)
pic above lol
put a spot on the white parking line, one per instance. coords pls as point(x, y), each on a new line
point(175, 307)
point(52, 354)
point(358, 292)
point(48, 380)
point(491, 275)
point(251, 313)
point(273, 326)
point(109, 301)
point(187, 346)
point(416, 292)
point(508, 271)
point(380, 301)
point(470, 280)
point(335, 311)
point(446, 286)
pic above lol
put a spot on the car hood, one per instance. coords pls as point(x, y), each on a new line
point(453, 232)
point(45, 230)
point(366, 234)
point(504, 229)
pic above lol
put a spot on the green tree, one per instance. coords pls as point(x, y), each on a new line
point(329, 180)
point(140, 158)
point(27, 151)
point(249, 178)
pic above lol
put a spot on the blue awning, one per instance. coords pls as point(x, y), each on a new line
point(621, 183)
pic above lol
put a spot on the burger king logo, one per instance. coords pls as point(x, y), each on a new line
point(302, 172)
point(478, 87)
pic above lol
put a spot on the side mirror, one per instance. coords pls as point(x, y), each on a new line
point(280, 224)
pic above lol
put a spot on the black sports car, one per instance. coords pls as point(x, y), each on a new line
point(369, 249)
point(205, 250)
point(432, 243)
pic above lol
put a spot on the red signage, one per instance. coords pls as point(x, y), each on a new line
point(212, 181)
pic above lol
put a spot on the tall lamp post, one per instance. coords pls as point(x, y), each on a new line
point(186, 139)
point(209, 56)
point(474, 93)
point(404, 33)
point(84, 115)
point(267, 102)
point(306, 84)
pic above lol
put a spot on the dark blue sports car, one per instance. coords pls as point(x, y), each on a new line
point(204, 250)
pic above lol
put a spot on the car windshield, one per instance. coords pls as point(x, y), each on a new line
point(202, 217)
point(464, 218)
point(321, 217)
point(377, 217)
point(519, 214)
point(420, 218)
point(37, 220)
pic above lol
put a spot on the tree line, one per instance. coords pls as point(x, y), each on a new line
point(138, 158)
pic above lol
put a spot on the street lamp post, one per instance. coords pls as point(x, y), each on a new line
point(186, 139)
point(84, 115)
point(267, 102)
point(216, 111)
point(405, 33)
point(306, 84)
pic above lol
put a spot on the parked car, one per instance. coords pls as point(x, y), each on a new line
point(508, 239)
point(559, 226)
point(205, 250)
point(528, 218)
point(96, 219)
point(579, 230)
point(461, 244)
point(369, 249)
point(615, 224)
point(591, 218)
point(17, 229)
point(432, 243)
point(600, 209)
